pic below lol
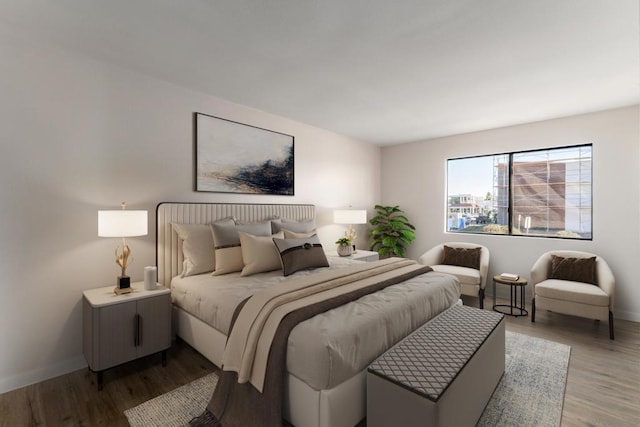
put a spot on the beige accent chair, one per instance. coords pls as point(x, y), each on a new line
point(573, 298)
point(472, 281)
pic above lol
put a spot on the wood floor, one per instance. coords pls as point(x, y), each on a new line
point(603, 385)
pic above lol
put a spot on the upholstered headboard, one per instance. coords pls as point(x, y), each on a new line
point(168, 247)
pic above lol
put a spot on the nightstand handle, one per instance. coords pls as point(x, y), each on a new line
point(136, 330)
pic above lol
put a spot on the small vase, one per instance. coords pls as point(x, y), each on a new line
point(345, 250)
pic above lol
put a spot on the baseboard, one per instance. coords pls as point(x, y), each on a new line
point(41, 374)
point(631, 316)
point(626, 315)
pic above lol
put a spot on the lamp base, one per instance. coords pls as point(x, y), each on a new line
point(123, 285)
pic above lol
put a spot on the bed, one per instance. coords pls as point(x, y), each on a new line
point(331, 390)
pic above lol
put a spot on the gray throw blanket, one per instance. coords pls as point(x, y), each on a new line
point(241, 405)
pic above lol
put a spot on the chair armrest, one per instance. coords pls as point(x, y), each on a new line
point(484, 267)
point(606, 281)
point(540, 270)
point(433, 256)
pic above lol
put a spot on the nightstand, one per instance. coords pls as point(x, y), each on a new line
point(121, 328)
point(360, 255)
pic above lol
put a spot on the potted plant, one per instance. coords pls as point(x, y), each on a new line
point(391, 231)
point(345, 247)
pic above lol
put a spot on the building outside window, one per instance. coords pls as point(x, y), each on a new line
point(544, 193)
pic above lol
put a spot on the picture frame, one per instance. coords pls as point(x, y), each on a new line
point(233, 157)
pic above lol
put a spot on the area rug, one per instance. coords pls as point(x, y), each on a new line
point(531, 392)
point(176, 407)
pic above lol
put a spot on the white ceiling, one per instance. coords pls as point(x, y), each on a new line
point(381, 71)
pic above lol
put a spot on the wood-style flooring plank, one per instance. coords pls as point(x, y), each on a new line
point(603, 384)
point(74, 399)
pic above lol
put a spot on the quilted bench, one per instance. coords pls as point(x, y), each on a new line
point(443, 374)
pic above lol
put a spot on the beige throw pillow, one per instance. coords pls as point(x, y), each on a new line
point(305, 226)
point(226, 241)
point(197, 247)
point(293, 235)
point(259, 253)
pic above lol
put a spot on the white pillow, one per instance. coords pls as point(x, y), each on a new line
point(305, 226)
point(197, 247)
point(259, 253)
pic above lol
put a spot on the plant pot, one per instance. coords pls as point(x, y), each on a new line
point(345, 250)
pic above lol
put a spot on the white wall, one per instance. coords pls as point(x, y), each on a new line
point(80, 135)
point(414, 177)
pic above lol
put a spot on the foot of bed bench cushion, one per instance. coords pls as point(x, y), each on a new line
point(443, 374)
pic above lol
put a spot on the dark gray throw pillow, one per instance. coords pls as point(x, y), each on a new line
point(300, 254)
point(574, 269)
point(462, 257)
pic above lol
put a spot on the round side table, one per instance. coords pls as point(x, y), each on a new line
point(511, 309)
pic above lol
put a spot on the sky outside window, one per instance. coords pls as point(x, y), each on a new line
point(473, 175)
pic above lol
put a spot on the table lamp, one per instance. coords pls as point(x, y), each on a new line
point(122, 223)
point(350, 217)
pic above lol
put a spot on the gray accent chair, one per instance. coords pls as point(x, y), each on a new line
point(573, 298)
point(472, 281)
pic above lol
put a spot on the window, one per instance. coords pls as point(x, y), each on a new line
point(543, 193)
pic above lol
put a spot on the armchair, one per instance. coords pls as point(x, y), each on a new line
point(472, 281)
point(577, 298)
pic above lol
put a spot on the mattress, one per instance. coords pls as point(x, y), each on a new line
point(329, 348)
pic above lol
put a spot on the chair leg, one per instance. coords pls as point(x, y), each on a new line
point(611, 325)
point(533, 310)
point(481, 297)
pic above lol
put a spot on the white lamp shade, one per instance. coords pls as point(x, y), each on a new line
point(122, 223)
point(350, 216)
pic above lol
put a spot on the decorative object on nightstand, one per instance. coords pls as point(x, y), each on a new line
point(350, 217)
point(122, 223)
point(345, 246)
point(121, 328)
point(150, 278)
point(391, 231)
point(509, 276)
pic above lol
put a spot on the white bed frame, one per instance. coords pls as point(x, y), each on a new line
point(341, 406)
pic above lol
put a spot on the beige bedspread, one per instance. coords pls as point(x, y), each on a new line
point(213, 299)
point(329, 348)
point(250, 341)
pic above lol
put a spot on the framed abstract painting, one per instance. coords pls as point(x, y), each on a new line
point(233, 157)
